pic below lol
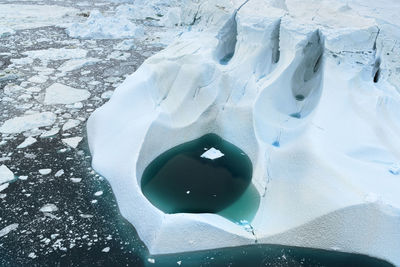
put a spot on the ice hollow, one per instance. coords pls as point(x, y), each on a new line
point(313, 101)
point(205, 175)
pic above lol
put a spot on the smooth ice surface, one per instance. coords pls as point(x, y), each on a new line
point(311, 97)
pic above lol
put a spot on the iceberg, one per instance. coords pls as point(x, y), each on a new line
point(310, 91)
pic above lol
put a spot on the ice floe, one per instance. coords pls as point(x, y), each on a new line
point(28, 122)
point(59, 93)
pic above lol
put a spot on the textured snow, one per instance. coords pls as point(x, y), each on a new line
point(212, 154)
point(310, 91)
point(98, 26)
point(59, 93)
point(28, 122)
point(6, 175)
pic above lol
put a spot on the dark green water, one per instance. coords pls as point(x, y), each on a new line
point(184, 179)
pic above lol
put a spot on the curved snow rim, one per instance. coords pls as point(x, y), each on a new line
point(199, 86)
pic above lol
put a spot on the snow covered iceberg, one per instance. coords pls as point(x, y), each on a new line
point(312, 98)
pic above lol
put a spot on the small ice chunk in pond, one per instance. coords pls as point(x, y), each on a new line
point(44, 171)
point(395, 169)
point(8, 229)
point(23, 177)
point(28, 141)
point(188, 192)
point(48, 208)
point(76, 180)
point(72, 141)
point(6, 175)
point(98, 193)
point(151, 260)
point(179, 262)
point(212, 154)
point(107, 249)
point(59, 173)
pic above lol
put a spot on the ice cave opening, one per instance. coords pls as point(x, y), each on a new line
point(205, 175)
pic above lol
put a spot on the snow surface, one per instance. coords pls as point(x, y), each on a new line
point(310, 91)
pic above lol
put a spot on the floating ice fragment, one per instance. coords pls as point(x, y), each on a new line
point(71, 123)
point(74, 64)
point(28, 141)
point(45, 171)
point(212, 154)
point(76, 180)
point(38, 79)
point(61, 94)
point(23, 177)
point(105, 250)
point(6, 175)
point(50, 133)
point(72, 141)
point(59, 173)
point(8, 229)
point(151, 260)
point(48, 208)
point(28, 122)
point(32, 255)
point(98, 193)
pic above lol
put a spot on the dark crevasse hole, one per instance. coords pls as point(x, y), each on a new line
point(299, 97)
point(227, 37)
point(377, 76)
point(205, 175)
point(376, 71)
point(276, 53)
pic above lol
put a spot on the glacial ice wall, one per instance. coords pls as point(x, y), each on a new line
point(310, 90)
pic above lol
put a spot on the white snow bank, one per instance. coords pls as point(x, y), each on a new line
point(98, 26)
point(308, 96)
point(28, 122)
